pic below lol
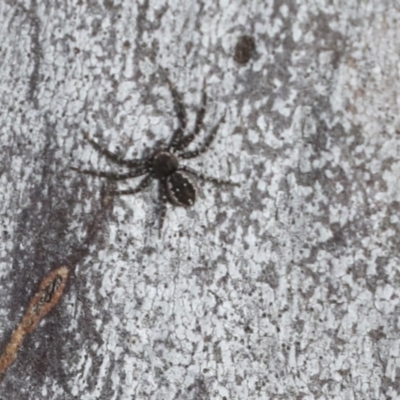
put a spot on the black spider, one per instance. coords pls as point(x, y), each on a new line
point(176, 182)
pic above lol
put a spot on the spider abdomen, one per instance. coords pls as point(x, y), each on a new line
point(181, 189)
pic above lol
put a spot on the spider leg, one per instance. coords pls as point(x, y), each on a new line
point(112, 156)
point(186, 140)
point(162, 204)
point(180, 112)
point(206, 144)
point(199, 175)
point(111, 175)
point(144, 183)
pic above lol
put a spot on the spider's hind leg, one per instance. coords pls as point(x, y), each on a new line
point(207, 178)
point(161, 206)
point(144, 183)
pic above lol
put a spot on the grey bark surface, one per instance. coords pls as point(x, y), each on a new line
point(286, 287)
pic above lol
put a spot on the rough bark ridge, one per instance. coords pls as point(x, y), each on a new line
point(286, 287)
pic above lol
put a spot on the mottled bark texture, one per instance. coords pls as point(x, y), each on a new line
point(286, 287)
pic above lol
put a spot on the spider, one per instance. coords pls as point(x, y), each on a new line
point(176, 183)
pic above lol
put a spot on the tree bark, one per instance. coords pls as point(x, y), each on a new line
point(284, 287)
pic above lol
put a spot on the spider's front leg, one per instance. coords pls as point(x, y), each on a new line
point(112, 156)
point(206, 144)
point(111, 175)
point(186, 140)
point(180, 112)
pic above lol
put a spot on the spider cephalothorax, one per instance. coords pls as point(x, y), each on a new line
point(177, 183)
point(164, 164)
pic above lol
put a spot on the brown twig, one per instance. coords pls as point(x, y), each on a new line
point(48, 295)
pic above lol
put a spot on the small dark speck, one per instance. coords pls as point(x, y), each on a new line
point(76, 50)
point(244, 49)
point(127, 44)
point(248, 329)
